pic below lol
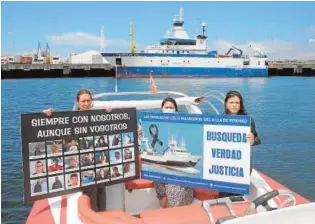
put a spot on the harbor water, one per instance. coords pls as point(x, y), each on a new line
point(283, 108)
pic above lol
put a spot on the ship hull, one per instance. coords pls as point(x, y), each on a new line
point(176, 66)
point(175, 72)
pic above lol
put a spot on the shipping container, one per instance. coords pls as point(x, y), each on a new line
point(48, 60)
point(14, 59)
point(26, 60)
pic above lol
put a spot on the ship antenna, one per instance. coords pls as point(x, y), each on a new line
point(203, 28)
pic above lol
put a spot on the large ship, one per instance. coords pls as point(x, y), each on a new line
point(177, 55)
point(174, 155)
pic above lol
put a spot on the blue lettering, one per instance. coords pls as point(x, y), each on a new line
point(226, 137)
point(214, 152)
point(227, 171)
point(244, 138)
point(226, 153)
point(209, 135)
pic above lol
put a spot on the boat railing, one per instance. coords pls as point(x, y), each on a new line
point(96, 96)
point(220, 97)
point(191, 103)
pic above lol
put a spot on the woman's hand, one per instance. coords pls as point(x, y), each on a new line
point(108, 108)
point(48, 112)
point(139, 131)
point(251, 138)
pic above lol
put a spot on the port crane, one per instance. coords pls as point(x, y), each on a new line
point(132, 41)
point(236, 49)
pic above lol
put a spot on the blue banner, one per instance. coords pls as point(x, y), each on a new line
point(196, 150)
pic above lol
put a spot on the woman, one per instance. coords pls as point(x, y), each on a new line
point(171, 195)
point(101, 142)
point(234, 105)
point(102, 175)
point(84, 101)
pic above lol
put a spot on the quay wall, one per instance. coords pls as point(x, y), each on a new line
point(18, 71)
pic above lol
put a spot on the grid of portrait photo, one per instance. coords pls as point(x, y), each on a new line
point(71, 163)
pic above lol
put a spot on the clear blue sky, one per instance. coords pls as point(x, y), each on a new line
point(282, 29)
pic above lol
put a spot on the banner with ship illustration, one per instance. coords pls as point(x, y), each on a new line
point(71, 151)
point(196, 150)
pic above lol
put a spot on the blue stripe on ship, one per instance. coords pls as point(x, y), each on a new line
point(192, 71)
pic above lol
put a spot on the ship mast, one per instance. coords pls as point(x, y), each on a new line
point(132, 41)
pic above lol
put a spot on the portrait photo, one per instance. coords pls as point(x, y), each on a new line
point(37, 150)
point(127, 139)
point(115, 156)
point(56, 183)
point(54, 148)
point(38, 186)
point(38, 168)
point(100, 142)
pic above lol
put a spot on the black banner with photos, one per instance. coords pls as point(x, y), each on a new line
point(69, 151)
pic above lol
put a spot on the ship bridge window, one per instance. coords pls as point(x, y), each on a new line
point(118, 61)
point(246, 63)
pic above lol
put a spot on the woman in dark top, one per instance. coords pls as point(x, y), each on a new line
point(84, 101)
point(234, 105)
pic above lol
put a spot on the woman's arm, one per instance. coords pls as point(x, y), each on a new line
point(257, 140)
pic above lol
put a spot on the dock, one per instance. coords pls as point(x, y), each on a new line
point(17, 71)
point(291, 68)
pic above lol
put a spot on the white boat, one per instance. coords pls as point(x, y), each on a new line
point(135, 202)
point(174, 155)
point(178, 55)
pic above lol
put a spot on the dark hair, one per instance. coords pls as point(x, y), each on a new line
point(101, 137)
point(83, 91)
point(233, 93)
point(74, 175)
point(170, 99)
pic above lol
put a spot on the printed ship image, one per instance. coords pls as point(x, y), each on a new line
point(177, 55)
point(174, 155)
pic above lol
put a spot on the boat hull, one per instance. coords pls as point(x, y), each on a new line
point(171, 162)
